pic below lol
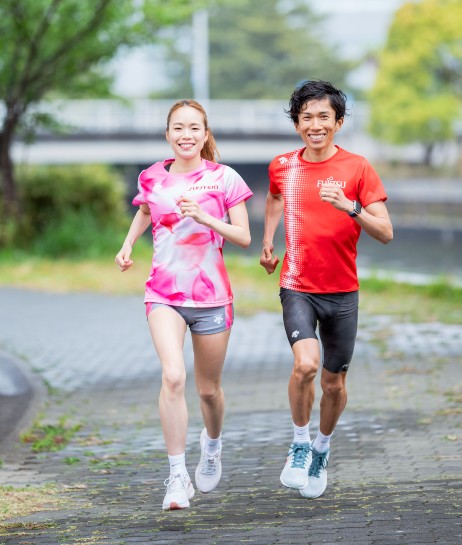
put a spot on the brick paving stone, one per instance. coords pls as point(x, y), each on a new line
point(394, 472)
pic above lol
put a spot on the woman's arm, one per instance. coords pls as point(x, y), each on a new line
point(237, 232)
point(140, 223)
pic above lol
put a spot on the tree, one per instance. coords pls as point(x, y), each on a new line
point(259, 50)
point(62, 45)
point(418, 90)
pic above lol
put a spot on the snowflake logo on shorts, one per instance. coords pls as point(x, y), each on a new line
point(218, 319)
point(295, 334)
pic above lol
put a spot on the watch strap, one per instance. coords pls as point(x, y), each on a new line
point(356, 209)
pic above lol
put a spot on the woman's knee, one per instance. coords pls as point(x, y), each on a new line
point(174, 380)
point(209, 393)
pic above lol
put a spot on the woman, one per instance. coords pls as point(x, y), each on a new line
point(194, 204)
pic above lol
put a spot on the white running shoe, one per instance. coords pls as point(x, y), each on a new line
point(295, 472)
point(208, 472)
point(179, 491)
point(317, 475)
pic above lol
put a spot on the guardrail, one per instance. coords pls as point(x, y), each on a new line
point(146, 116)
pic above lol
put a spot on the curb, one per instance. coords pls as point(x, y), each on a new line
point(21, 394)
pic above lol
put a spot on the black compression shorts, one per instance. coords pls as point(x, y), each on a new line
point(337, 317)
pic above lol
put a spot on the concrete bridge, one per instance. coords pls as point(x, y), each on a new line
point(425, 212)
point(132, 132)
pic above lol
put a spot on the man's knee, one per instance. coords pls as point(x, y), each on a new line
point(332, 384)
point(305, 367)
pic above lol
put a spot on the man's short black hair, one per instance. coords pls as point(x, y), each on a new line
point(316, 90)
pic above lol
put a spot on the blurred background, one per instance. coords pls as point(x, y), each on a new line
point(85, 87)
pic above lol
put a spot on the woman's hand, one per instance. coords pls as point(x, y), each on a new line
point(191, 209)
point(123, 257)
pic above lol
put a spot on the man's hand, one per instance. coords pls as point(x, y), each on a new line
point(267, 261)
point(336, 197)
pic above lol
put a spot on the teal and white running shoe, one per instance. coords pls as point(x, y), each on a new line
point(295, 472)
point(317, 475)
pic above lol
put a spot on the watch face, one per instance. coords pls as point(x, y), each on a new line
point(356, 207)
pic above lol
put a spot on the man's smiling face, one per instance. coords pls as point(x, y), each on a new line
point(317, 126)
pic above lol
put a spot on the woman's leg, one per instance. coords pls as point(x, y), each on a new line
point(168, 330)
point(209, 358)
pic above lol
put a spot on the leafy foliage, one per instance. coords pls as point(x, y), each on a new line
point(74, 210)
point(62, 47)
point(258, 50)
point(418, 91)
point(51, 44)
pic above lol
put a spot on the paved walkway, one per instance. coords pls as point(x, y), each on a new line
point(395, 468)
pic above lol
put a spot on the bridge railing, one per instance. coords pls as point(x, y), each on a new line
point(145, 116)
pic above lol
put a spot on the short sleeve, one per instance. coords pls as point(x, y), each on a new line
point(273, 187)
point(236, 190)
point(371, 188)
point(140, 198)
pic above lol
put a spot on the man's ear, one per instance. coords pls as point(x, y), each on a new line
point(339, 123)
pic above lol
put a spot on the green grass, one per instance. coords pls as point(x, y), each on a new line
point(21, 502)
point(255, 291)
point(50, 437)
point(437, 301)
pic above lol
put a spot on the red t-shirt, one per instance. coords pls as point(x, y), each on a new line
point(321, 240)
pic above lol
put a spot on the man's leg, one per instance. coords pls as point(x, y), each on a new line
point(300, 325)
point(333, 400)
point(338, 335)
point(301, 397)
point(301, 382)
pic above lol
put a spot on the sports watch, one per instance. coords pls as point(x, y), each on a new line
point(356, 209)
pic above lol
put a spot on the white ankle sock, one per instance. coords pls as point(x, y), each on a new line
point(177, 464)
point(302, 433)
point(322, 442)
point(212, 446)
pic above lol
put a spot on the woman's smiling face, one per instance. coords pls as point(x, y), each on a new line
point(186, 133)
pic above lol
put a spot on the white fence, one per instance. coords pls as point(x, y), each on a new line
point(145, 116)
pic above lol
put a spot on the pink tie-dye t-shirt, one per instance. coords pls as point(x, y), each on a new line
point(187, 266)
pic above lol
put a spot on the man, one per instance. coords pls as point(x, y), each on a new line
point(327, 195)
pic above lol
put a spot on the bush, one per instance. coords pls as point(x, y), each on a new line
point(72, 210)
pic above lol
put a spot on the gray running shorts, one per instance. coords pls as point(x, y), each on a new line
point(202, 321)
point(336, 314)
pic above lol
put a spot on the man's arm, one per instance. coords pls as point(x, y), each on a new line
point(273, 212)
point(374, 219)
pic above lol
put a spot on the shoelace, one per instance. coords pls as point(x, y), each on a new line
point(319, 462)
point(209, 464)
point(175, 482)
point(300, 454)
